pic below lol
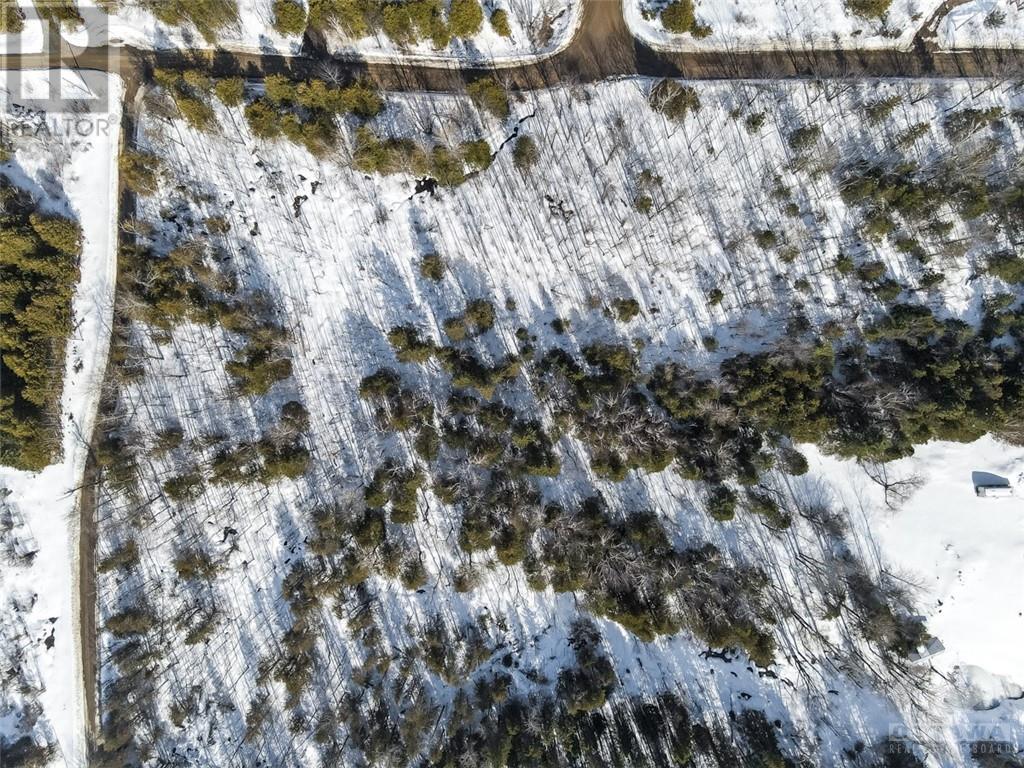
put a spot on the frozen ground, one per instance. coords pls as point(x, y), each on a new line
point(754, 24)
point(74, 173)
point(338, 252)
point(984, 23)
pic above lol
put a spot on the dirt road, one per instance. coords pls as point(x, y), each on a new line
point(602, 48)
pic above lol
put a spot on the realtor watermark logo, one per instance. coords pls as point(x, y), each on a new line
point(976, 739)
point(69, 39)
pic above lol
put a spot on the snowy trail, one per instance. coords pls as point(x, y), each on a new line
point(49, 500)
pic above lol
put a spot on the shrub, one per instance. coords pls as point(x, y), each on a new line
point(793, 462)
point(24, 752)
point(257, 367)
point(289, 17)
point(499, 22)
point(63, 12)
point(288, 460)
point(755, 121)
point(480, 315)
point(802, 139)
point(763, 505)
point(185, 487)
point(869, 9)
point(465, 17)
point(678, 16)
point(765, 239)
point(674, 100)
point(63, 234)
point(488, 95)
point(409, 346)
point(370, 531)
point(476, 154)
point(586, 687)
point(1006, 266)
point(871, 271)
point(207, 16)
point(139, 171)
point(879, 111)
point(721, 503)
point(195, 564)
point(131, 621)
point(12, 19)
point(414, 574)
point(762, 740)
point(230, 91)
point(446, 168)
point(433, 267)
point(525, 153)
point(625, 309)
point(197, 113)
point(125, 556)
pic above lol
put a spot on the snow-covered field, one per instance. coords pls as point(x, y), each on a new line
point(984, 23)
point(75, 173)
point(759, 24)
point(31, 38)
point(537, 27)
point(965, 552)
point(133, 25)
point(338, 253)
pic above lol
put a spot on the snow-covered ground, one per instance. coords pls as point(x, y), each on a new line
point(965, 552)
point(133, 25)
point(759, 24)
point(338, 252)
point(984, 23)
point(73, 172)
point(31, 38)
point(538, 27)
